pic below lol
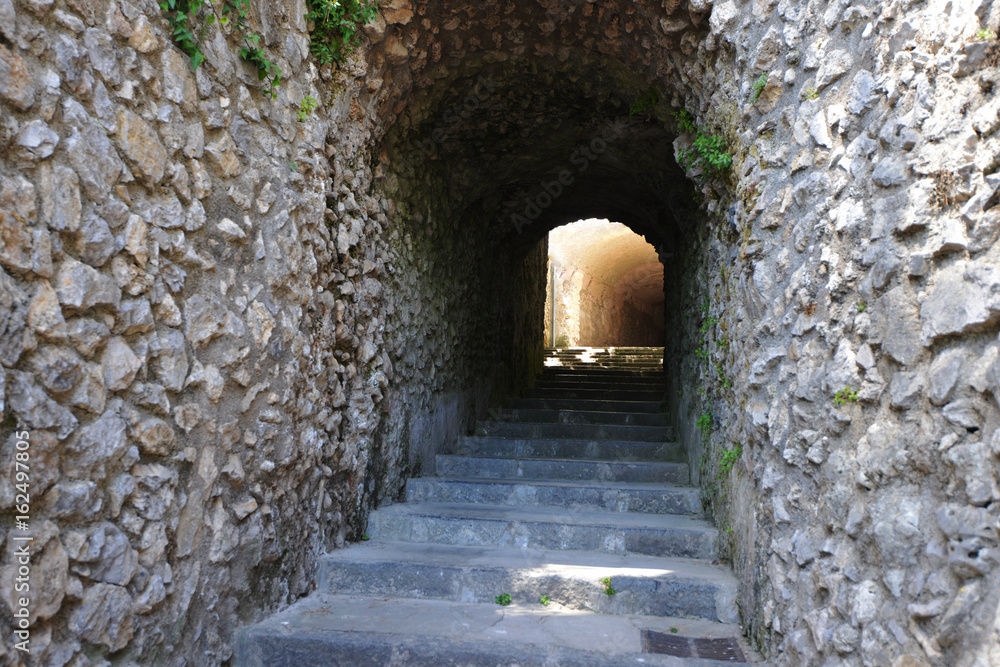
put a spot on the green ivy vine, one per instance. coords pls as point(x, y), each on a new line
point(708, 151)
point(335, 25)
point(183, 15)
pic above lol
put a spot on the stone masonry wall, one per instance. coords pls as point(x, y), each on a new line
point(844, 288)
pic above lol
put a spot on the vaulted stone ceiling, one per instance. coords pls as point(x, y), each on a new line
point(503, 98)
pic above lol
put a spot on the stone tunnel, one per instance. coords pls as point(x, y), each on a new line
point(232, 324)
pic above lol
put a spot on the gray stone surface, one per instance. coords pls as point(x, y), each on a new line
point(317, 631)
point(528, 468)
point(544, 528)
point(104, 617)
point(619, 497)
point(81, 287)
point(643, 585)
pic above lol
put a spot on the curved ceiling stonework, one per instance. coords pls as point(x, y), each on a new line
point(525, 107)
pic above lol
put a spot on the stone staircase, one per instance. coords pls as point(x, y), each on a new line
point(571, 492)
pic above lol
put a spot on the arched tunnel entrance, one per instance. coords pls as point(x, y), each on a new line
point(486, 151)
point(501, 156)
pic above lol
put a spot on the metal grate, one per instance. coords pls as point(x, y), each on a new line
point(725, 649)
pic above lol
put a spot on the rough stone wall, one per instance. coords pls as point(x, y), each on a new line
point(607, 284)
point(222, 338)
point(854, 250)
point(591, 313)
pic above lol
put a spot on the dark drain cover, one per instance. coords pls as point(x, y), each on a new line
point(727, 649)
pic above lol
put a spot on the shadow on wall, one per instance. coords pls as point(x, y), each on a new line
point(605, 287)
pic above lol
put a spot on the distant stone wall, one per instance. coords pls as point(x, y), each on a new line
point(607, 286)
point(590, 313)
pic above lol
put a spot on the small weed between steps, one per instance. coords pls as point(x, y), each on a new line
point(365, 537)
point(544, 600)
point(503, 599)
point(608, 590)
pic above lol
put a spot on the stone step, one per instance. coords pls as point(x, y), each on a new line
point(598, 394)
point(601, 376)
point(551, 528)
point(482, 467)
point(326, 630)
point(649, 384)
point(603, 361)
point(582, 417)
point(603, 496)
point(608, 350)
point(630, 432)
point(569, 448)
point(597, 365)
point(597, 353)
point(643, 584)
point(586, 405)
point(622, 357)
point(587, 355)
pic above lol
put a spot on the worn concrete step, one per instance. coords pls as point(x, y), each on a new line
point(326, 630)
point(642, 584)
point(554, 363)
point(652, 379)
point(598, 394)
point(603, 496)
point(584, 404)
point(610, 349)
point(610, 367)
point(465, 524)
point(557, 368)
point(617, 355)
point(630, 432)
point(537, 416)
point(484, 467)
point(570, 448)
point(625, 385)
point(563, 381)
point(590, 355)
point(616, 359)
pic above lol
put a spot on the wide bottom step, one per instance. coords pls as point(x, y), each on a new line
point(332, 630)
